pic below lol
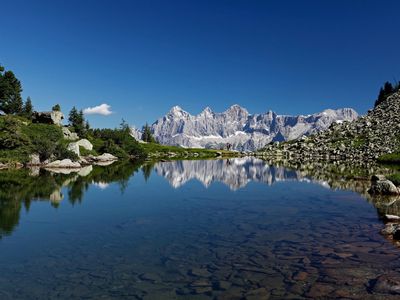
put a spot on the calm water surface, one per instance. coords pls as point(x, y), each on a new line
point(215, 229)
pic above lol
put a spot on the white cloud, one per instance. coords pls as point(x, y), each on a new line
point(102, 109)
point(101, 185)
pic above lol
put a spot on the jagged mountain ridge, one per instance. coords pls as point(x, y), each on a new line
point(244, 131)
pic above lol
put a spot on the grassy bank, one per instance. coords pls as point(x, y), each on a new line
point(19, 138)
point(156, 151)
point(392, 158)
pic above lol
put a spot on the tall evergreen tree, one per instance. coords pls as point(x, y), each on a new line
point(28, 108)
point(388, 88)
point(77, 120)
point(73, 116)
point(10, 93)
point(385, 92)
point(147, 136)
point(125, 126)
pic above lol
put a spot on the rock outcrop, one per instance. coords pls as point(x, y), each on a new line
point(237, 127)
point(382, 186)
point(48, 117)
point(75, 147)
point(68, 135)
point(365, 139)
point(65, 164)
point(103, 160)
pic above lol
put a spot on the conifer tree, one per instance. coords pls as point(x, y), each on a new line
point(28, 108)
point(77, 120)
point(73, 116)
point(10, 93)
point(56, 107)
point(147, 136)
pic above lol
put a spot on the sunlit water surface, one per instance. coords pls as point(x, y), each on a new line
point(215, 229)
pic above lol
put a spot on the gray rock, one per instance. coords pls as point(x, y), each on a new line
point(48, 117)
point(392, 217)
point(68, 135)
point(65, 163)
point(376, 178)
point(74, 147)
point(34, 160)
point(85, 144)
point(382, 186)
point(105, 158)
point(387, 284)
point(390, 228)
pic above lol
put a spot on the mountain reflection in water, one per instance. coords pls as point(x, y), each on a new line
point(235, 173)
point(19, 187)
point(148, 231)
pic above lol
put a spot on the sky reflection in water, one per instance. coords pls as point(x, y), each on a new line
point(222, 229)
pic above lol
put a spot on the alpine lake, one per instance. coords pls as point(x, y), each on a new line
point(239, 228)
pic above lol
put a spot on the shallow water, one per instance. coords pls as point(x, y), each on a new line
point(215, 229)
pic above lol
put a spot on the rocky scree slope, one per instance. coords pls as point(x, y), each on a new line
point(365, 139)
point(244, 131)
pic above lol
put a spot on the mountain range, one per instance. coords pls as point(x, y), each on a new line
point(236, 126)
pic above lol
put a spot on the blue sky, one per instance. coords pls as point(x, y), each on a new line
point(142, 57)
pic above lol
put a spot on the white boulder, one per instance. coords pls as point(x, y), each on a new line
point(65, 163)
point(74, 147)
point(68, 135)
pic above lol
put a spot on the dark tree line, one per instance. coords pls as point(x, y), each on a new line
point(77, 120)
point(147, 136)
point(387, 90)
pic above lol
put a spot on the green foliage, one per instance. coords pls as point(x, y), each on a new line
point(61, 152)
point(56, 107)
point(44, 139)
point(157, 151)
point(395, 178)
point(109, 146)
point(10, 93)
point(85, 152)
point(118, 142)
point(392, 158)
point(147, 136)
point(11, 136)
point(19, 138)
point(77, 120)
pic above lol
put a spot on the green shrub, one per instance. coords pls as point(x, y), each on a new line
point(110, 147)
point(85, 152)
point(395, 178)
point(392, 158)
point(61, 152)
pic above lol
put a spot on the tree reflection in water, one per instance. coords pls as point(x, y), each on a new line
point(19, 187)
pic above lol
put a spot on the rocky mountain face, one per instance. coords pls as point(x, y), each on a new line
point(244, 131)
point(365, 139)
